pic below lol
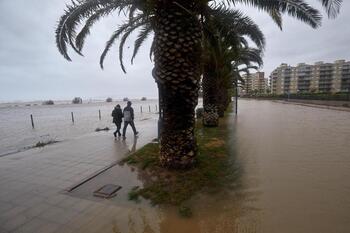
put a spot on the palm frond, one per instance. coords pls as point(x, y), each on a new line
point(276, 17)
point(144, 33)
point(295, 8)
point(233, 22)
point(85, 31)
point(332, 7)
point(121, 29)
point(123, 40)
point(73, 16)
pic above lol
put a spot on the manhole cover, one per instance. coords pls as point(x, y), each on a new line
point(107, 191)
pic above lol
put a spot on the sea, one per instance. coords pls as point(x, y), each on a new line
point(54, 122)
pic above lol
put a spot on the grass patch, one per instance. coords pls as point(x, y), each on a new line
point(44, 143)
point(185, 211)
point(212, 172)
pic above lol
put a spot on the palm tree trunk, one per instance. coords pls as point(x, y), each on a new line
point(221, 99)
point(209, 84)
point(177, 68)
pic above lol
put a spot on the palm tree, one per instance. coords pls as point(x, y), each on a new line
point(177, 52)
point(224, 35)
point(235, 62)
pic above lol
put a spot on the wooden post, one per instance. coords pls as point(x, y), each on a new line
point(31, 118)
point(72, 117)
point(99, 114)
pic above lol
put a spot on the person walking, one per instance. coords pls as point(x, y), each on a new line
point(117, 115)
point(128, 114)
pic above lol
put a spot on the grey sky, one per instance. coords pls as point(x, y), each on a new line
point(32, 69)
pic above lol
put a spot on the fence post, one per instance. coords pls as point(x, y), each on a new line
point(72, 117)
point(31, 119)
point(141, 109)
point(149, 108)
point(99, 114)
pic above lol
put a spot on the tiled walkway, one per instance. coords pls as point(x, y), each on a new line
point(32, 184)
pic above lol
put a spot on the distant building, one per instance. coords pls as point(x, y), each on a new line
point(254, 83)
point(304, 78)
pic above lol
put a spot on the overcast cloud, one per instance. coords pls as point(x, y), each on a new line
point(32, 69)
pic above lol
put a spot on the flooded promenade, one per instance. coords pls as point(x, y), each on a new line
point(292, 165)
point(297, 159)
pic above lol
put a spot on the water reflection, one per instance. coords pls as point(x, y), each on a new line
point(291, 165)
point(230, 209)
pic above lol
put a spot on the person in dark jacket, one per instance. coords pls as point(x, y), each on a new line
point(117, 119)
point(128, 114)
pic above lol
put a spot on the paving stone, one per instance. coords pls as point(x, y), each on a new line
point(32, 226)
point(32, 201)
point(15, 222)
point(58, 215)
point(36, 210)
point(13, 212)
point(49, 227)
point(55, 199)
point(4, 207)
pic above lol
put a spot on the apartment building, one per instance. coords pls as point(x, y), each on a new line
point(254, 83)
point(305, 78)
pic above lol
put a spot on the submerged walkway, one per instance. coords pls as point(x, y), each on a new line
point(297, 159)
point(32, 183)
point(292, 163)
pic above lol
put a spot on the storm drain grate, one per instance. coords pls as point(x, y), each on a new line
point(107, 191)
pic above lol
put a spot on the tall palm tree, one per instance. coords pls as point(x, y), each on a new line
point(224, 34)
point(243, 59)
point(177, 52)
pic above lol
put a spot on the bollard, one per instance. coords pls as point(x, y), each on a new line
point(31, 118)
point(99, 114)
point(149, 108)
point(72, 117)
point(141, 109)
point(156, 108)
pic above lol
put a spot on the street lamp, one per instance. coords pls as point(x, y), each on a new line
point(236, 97)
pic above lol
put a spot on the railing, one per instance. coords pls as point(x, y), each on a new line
point(99, 115)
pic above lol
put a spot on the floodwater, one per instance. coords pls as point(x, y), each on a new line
point(294, 176)
point(54, 122)
point(298, 159)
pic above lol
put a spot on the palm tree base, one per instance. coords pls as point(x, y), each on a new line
point(210, 119)
point(210, 116)
point(178, 149)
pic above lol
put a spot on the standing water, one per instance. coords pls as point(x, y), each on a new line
point(54, 122)
point(292, 163)
point(298, 161)
point(294, 172)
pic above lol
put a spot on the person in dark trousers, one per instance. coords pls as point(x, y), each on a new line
point(128, 113)
point(117, 115)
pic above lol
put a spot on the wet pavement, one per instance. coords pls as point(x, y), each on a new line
point(32, 196)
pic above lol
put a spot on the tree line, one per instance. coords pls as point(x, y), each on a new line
point(206, 43)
